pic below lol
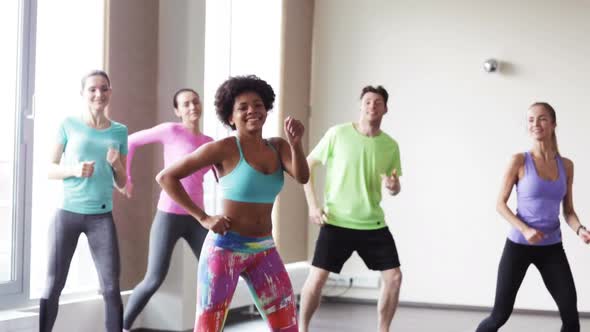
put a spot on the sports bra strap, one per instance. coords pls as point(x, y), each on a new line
point(267, 143)
point(271, 146)
point(239, 147)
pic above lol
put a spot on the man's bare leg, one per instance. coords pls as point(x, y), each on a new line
point(389, 298)
point(311, 295)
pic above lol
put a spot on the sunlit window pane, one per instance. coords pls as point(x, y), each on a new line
point(68, 46)
point(9, 13)
point(237, 44)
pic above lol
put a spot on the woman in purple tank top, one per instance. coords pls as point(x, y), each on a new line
point(543, 180)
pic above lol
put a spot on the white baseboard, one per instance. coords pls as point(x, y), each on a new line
point(88, 312)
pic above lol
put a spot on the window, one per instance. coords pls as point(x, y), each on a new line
point(45, 57)
point(241, 38)
point(66, 49)
point(256, 47)
point(15, 34)
point(9, 20)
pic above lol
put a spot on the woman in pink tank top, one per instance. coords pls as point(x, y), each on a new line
point(171, 222)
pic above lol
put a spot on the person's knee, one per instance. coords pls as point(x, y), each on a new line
point(152, 282)
point(210, 320)
point(283, 318)
point(392, 279)
point(315, 282)
point(111, 290)
point(311, 288)
point(53, 288)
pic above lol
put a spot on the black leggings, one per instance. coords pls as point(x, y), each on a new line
point(166, 229)
point(555, 270)
point(102, 239)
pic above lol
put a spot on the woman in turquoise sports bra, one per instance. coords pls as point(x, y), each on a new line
point(250, 170)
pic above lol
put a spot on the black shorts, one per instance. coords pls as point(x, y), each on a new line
point(335, 245)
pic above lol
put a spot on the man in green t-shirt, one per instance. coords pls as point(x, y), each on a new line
point(360, 159)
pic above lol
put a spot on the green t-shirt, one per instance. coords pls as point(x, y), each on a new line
point(354, 164)
point(92, 195)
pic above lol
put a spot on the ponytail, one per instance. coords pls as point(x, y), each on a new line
point(551, 112)
point(554, 140)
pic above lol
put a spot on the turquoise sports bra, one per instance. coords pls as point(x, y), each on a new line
point(245, 184)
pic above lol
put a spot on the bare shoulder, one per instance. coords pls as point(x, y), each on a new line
point(517, 160)
point(568, 164)
point(515, 169)
point(277, 142)
point(225, 143)
point(219, 146)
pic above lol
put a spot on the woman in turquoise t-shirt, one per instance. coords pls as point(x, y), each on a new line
point(89, 156)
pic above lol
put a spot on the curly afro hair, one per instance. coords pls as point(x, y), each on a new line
point(234, 86)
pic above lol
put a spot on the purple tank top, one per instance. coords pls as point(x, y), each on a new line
point(538, 202)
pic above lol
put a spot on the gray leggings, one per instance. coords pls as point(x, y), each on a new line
point(102, 239)
point(167, 228)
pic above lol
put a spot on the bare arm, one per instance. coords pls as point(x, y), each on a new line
point(119, 170)
point(510, 179)
point(316, 214)
point(293, 159)
point(569, 214)
point(291, 151)
point(169, 179)
point(141, 138)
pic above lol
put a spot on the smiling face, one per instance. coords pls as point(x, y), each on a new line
point(372, 107)
point(249, 113)
point(96, 91)
point(188, 107)
point(541, 125)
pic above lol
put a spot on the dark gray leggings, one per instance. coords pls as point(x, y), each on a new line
point(102, 239)
point(557, 276)
point(166, 229)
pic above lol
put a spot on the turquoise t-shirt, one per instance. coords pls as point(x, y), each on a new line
point(92, 195)
point(354, 164)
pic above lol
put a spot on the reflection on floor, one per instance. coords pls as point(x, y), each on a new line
point(355, 317)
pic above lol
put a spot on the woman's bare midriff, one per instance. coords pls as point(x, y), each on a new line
point(249, 219)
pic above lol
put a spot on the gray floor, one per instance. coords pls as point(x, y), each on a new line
point(354, 317)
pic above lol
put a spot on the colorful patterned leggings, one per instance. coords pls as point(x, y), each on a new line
point(226, 257)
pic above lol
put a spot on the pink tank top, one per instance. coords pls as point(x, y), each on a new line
point(178, 141)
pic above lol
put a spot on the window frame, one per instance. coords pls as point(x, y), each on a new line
point(15, 292)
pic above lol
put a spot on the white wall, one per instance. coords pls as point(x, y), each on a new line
point(457, 125)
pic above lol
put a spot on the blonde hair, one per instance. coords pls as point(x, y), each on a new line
point(95, 72)
point(553, 117)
